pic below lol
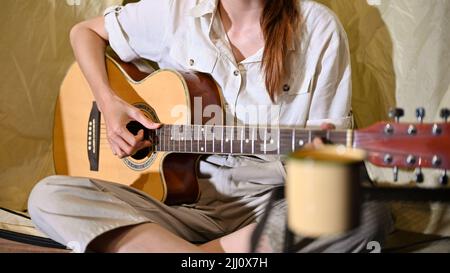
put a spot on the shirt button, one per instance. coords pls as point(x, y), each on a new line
point(286, 88)
point(191, 62)
point(236, 73)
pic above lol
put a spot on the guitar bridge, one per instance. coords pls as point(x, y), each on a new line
point(93, 137)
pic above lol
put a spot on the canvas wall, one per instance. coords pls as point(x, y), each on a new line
point(400, 56)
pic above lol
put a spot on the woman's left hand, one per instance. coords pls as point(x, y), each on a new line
point(317, 142)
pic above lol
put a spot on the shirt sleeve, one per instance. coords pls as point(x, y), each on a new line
point(138, 30)
point(331, 84)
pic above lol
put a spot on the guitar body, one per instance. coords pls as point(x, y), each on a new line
point(81, 148)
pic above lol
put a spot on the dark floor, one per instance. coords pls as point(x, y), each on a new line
point(398, 242)
point(7, 246)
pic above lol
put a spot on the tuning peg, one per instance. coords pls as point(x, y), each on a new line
point(443, 180)
point(420, 114)
point(445, 114)
point(419, 176)
point(395, 170)
point(396, 113)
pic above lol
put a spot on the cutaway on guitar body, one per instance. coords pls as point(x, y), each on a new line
point(81, 147)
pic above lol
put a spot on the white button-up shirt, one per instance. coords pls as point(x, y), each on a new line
point(188, 35)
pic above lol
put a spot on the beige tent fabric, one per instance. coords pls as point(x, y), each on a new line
point(400, 56)
point(35, 55)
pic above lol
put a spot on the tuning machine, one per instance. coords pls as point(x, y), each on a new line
point(420, 114)
point(419, 176)
point(395, 172)
point(445, 114)
point(396, 114)
point(443, 179)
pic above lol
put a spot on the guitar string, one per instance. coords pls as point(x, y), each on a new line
point(286, 139)
point(363, 138)
point(283, 146)
point(283, 130)
point(300, 134)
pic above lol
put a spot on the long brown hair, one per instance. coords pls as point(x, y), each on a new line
point(280, 23)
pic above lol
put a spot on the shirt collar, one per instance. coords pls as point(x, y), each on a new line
point(204, 7)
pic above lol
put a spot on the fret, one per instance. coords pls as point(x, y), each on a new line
point(168, 139)
point(242, 140)
point(214, 140)
point(231, 140)
point(253, 140)
point(161, 138)
point(175, 141)
point(172, 143)
point(293, 139)
point(173, 138)
point(155, 141)
point(349, 139)
point(205, 135)
point(265, 140)
point(309, 136)
point(221, 141)
point(178, 138)
point(191, 137)
point(278, 145)
point(203, 139)
point(185, 138)
point(198, 139)
point(169, 143)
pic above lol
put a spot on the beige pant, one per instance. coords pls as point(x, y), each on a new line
point(75, 211)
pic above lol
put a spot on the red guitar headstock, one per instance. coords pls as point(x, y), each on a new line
point(408, 145)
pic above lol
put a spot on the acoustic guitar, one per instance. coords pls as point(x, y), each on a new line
point(167, 171)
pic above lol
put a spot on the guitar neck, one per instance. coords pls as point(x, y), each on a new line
point(241, 140)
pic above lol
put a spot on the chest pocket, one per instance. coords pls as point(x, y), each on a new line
point(193, 51)
point(301, 78)
point(298, 90)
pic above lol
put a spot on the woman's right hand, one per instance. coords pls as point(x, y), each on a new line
point(89, 40)
point(117, 114)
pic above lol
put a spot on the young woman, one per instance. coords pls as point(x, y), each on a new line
point(288, 59)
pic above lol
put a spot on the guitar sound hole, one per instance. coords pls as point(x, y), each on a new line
point(134, 127)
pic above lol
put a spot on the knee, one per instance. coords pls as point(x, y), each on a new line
point(44, 195)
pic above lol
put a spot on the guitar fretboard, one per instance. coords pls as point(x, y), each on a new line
point(203, 139)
